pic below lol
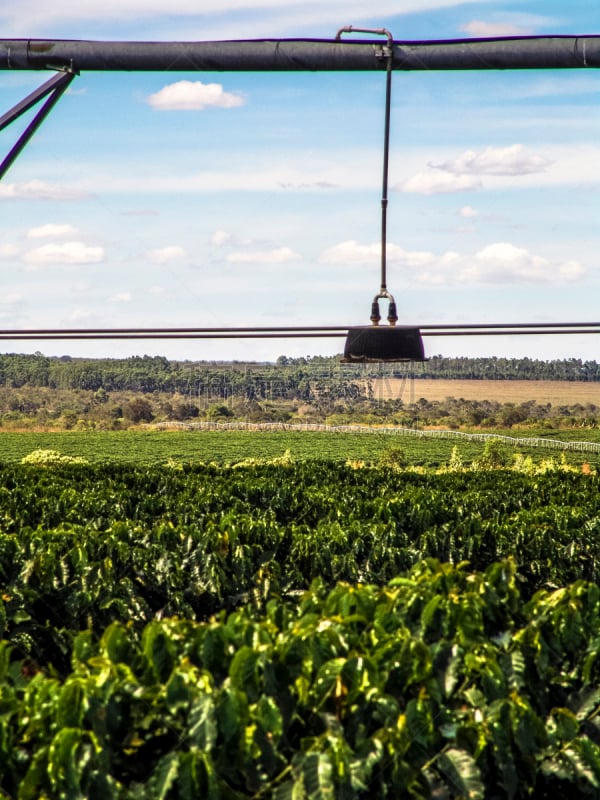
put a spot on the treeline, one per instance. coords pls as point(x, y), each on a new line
point(511, 369)
point(290, 377)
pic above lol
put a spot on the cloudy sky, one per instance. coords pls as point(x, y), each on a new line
point(200, 199)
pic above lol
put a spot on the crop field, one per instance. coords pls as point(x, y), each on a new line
point(232, 446)
point(152, 447)
point(302, 629)
point(558, 393)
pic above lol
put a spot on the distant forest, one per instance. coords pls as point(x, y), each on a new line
point(64, 393)
point(148, 374)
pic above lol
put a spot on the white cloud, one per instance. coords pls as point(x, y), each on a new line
point(572, 271)
point(121, 297)
point(8, 251)
point(164, 255)
point(279, 255)
point(220, 238)
point(50, 230)
point(211, 17)
point(438, 182)
point(247, 170)
point(512, 160)
point(502, 262)
point(497, 263)
point(481, 30)
point(240, 175)
point(10, 299)
point(468, 212)
point(352, 252)
point(67, 253)
point(80, 314)
point(463, 172)
point(193, 96)
point(40, 190)
point(309, 185)
point(157, 291)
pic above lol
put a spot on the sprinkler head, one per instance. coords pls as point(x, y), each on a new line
point(383, 343)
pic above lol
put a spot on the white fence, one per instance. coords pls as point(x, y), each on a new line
point(522, 441)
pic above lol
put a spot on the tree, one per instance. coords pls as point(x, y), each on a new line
point(394, 457)
point(183, 411)
point(495, 454)
point(218, 411)
point(101, 395)
point(139, 410)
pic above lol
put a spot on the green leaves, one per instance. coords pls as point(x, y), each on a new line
point(159, 651)
point(336, 696)
point(88, 545)
point(285, 632)
point(463, 777)
point(317, 772)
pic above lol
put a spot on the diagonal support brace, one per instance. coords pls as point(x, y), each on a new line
point(53, 90)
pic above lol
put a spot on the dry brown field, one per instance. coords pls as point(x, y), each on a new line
point(558, 393)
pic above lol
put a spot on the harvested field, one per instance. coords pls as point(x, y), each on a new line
point(558, 393)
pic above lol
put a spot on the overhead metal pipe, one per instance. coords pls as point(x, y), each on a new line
point(301, 332)
point(287, 55)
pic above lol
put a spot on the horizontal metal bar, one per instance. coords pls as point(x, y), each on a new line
point(303, 332)
point(337, 329)
point(298, 328)
point(284, 55)
point(513, 332)
point(512, 325)
point(262, 329)
point(153, 335)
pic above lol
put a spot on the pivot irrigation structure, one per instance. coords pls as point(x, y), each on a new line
point(68, 58)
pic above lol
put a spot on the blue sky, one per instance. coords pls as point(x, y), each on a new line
point(197, 199)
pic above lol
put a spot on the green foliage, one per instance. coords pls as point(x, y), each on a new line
point(72, 393)
point(455, 464)
point(218, 411)
point(151, 447)
point(47, 458)
point(495, 454)
point(139, 410)
point(394, 457)
point(357, 692)
point(83, 545)
point(150, 374)
point(298, 630)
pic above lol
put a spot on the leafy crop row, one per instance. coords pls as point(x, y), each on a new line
point(442, 683)
point(302, 630)
point(82, 546)
point(156, 447)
